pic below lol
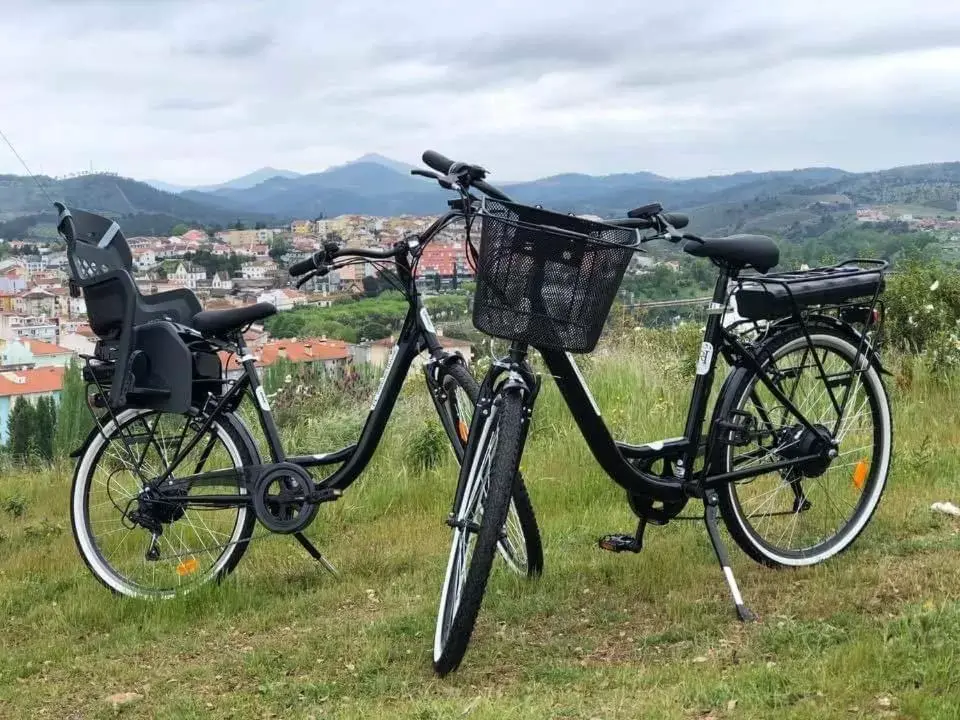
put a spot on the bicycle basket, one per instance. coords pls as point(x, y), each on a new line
point(547, 279)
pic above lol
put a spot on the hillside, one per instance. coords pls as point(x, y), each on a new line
point(793, 202)
point(22, 201)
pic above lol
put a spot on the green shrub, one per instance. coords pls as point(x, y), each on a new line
point(15, 505)
point(923, 312)
point(427, 446)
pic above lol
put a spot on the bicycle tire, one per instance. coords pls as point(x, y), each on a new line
point(239, 445)
point(743, 531)
point(452, 638)
point(521, 517)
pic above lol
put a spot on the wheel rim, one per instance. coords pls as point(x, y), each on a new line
point(773, 508)
point(469, 518)
point(193, 548)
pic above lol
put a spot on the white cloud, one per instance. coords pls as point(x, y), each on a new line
point(196, 92)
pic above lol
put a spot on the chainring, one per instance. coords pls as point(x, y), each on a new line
point(282, 498)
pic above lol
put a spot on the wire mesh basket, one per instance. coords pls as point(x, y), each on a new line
point(547, 279)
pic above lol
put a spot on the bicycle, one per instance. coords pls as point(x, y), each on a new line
point(803, 401)
point(169, 482)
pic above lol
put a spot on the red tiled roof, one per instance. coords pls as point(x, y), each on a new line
point(42, 347)
point(296, 351)
point(36, 380)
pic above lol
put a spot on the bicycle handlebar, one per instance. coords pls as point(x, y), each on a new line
point(319, 258)
point(440, 163)
point(466, 176)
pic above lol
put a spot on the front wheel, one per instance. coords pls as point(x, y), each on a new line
point(520, 545)
point(810, 511)
point(477, 527)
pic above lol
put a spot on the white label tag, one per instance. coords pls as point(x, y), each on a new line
point(386, 372)
point(706, 355)
point(262, 399)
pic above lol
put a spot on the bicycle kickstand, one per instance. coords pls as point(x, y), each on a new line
point(316, 554)
point(710, 518)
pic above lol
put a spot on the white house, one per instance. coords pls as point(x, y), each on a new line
point(144, 258)
point(188, 275)
point(80, 343)
point(277, 298)
point(256, 270)
point(77, 305)
point(222, 281)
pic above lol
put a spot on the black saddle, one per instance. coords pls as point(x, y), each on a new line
point(216, 322)
point(738, 251)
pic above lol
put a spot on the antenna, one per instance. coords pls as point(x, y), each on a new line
point(25, 167)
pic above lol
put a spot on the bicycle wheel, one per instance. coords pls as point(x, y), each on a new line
point(808, 512)
point(477, 529)
point(114, 525)
point(520, 544)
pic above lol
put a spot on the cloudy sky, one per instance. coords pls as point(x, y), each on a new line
point(194, 91)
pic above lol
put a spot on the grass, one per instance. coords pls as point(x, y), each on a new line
point(874, 633)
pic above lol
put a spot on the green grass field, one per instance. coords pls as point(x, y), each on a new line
point(873, 633)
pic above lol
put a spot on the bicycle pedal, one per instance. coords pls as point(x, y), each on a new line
point(620, 543)
point(325, 495)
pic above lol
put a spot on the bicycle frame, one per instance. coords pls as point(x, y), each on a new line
point(417, 334)
point(629, 465)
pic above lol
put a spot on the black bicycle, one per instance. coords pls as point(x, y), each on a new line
point(797, 448)
point(170, 482)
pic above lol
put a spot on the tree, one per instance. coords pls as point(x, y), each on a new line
point(278, 248)
point(44, 427)
point(179, 229)
point(260, 225)
point(73, 417)
point(20, 429)
point(238, 225)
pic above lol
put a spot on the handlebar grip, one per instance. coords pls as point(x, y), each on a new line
point(676, 220)
point(440, 163)
point(488, 189)
point(304, 266)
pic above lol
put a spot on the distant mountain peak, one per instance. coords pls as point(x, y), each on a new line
point(383, 161)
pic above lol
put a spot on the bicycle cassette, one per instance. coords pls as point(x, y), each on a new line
point(283, 498)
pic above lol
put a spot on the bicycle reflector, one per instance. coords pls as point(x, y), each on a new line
point(188, 567)
point(860, 474)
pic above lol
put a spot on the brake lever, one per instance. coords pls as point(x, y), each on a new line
point(319, 272)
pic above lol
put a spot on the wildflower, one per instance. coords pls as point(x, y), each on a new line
point(928, 307)
point(936, 284)
point(910, 320)
point(289, 378)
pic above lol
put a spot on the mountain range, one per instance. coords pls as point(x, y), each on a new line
point(374, 185)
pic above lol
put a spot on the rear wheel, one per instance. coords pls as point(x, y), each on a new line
point(520, 545)
point(478, 523)
point(158, 545)
point(808, 512)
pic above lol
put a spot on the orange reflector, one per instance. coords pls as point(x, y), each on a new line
point(187, 567)
point(462, 430)
point(860, 474)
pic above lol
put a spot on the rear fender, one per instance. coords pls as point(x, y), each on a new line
point(844, 328)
